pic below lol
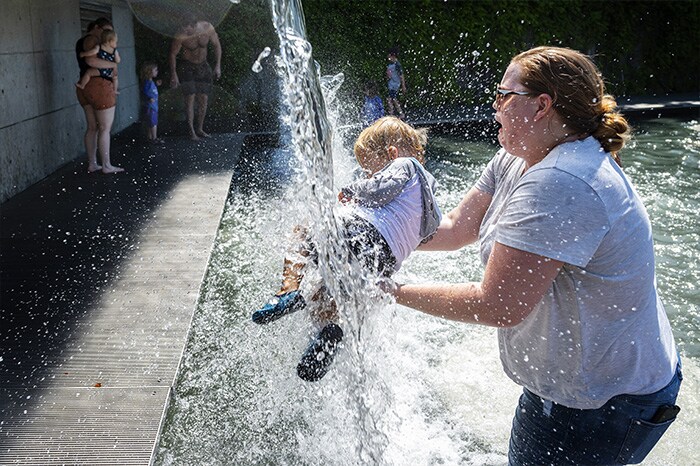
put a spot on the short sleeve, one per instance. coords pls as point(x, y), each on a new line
point(487, 181)
point(554, 214)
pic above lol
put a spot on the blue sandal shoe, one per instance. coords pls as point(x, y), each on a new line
point(319, 355)
point(279, 306)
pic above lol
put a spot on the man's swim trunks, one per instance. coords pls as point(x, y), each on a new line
point(195, 78)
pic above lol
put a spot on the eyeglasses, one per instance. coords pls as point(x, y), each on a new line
point(502, 93)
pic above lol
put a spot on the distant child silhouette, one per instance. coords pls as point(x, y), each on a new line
point(373, 108)
point(149, 98)
point(395, 81)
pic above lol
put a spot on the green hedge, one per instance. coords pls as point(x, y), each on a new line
point(455, 51)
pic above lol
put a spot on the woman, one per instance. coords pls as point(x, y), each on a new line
point(98, 100)
point(569, 271)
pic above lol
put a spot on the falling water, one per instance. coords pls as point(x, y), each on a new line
point(312, 139)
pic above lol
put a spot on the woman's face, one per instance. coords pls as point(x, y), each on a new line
point(515, 113)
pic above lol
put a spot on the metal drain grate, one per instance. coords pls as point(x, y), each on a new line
point(80, 425)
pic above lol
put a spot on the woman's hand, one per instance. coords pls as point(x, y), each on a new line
point(387, 285)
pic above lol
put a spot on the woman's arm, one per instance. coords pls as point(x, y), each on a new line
point(461, 225)
point(90, 52)
point(514, 283)
point(90, 44)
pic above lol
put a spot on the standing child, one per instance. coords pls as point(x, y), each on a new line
point(106, 50)
point(384, 216)
point(149, 99)
point(396, 81)
point(373, 108)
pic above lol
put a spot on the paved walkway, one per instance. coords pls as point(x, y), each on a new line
point(100, 276)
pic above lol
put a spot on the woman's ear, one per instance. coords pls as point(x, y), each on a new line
point(393, 152)
point(545, 105)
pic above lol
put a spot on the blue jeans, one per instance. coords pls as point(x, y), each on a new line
point(619, 432)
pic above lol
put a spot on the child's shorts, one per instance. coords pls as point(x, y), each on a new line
point(366, 245)
point(369, 246)
point(393, 93)
point(150, 117)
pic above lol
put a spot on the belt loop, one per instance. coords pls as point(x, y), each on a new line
point(546, 407)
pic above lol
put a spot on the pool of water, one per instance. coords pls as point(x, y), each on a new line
point(413, 389)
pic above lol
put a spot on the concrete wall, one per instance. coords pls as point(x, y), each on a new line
point(41, 122)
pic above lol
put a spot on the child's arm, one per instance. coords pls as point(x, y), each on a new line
point(95, 62)
point(117, 58)
point(382, 187)
point(91, 52)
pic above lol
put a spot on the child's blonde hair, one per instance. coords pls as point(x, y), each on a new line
point(107, 36)
point(147, 70)
point(391, 131)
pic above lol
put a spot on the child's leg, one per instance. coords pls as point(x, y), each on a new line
point(115, 80)
point(85, 78)
point(292, 273)
point(389, 106)
point(288, 299)
point(294, 263)
point(151, 133)
point(398, 109)
point(324, 310)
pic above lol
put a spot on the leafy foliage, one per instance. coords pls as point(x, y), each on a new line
point(455, 51)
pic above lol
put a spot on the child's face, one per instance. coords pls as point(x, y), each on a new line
point(113, 43)
point(372, 162)
point(391, 58)
point(154, 73)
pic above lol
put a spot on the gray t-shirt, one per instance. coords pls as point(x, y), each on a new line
point(601, 329)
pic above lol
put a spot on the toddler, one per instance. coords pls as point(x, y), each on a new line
point(149, 99)
point(395, 81)
point(373, 108)
point(384, 216)
point(106, 50)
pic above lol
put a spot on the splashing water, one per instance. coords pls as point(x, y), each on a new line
point(257, 67)
point(312, 139)
point(405, 388)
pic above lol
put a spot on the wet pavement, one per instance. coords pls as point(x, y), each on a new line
point(100, 276)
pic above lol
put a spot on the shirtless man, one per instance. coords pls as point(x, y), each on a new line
point(193, 74)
